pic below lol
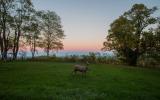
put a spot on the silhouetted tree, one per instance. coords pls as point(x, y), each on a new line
point(128, 34)
point(21, 16)
point(52, 31)
point(6, 7)
point(33, 32)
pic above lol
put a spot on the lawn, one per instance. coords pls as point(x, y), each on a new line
point(54, 81)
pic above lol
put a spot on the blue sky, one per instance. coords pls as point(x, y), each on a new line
point(85, 22)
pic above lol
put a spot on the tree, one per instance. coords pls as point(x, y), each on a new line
point(21, 15)
point(18, 20)
point(6, 7)
point(127, 32)
point(52, 33)
point(33, 30)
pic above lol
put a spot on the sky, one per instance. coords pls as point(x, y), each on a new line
point(86, 22)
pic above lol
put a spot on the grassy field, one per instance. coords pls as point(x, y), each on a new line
point(54, 81)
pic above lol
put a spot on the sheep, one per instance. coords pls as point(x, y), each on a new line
point(80, 68)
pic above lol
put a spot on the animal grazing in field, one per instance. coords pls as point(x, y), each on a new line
point(80, 68)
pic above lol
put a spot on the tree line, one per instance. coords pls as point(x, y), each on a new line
point(22, 26)
point(135, 34)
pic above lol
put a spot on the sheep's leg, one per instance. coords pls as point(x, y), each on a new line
point(85, 73)
point(72, 72)
point(75, 72)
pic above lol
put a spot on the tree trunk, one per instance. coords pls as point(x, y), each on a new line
point(47, 53)
point(133, 60)
point(33, 51)
point(1, 41)
point(34, 48)
point(4, 54)
point(134, 55)
point(48, 47)
point(14, 45)
point(131, 56)
point(17, 43)
point(1, 45)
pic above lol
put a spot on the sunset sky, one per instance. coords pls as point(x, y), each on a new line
point(85, 22)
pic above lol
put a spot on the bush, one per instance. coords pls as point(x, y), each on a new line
point(91, 58)
point(148, 61)
point(72, 58)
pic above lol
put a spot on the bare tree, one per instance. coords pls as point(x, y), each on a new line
point(33, 32)
point(22, 12)
point(52, 32)
point(6, 7)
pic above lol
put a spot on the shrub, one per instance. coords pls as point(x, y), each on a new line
point(148, 61)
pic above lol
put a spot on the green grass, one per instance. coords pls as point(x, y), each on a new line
point(54, 81)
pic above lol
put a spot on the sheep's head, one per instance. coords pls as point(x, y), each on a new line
point(87, 63)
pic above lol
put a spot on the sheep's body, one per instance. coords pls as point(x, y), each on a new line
point(80, 68)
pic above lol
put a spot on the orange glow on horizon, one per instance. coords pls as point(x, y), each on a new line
point(74, 46)
point(69, 48)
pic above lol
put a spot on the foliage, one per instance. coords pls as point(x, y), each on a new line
point(52, 32)
point(91, 58)
point(20, 21)
point(130, 36)
point(149, 59)
point(33, 32)
point(5, 30)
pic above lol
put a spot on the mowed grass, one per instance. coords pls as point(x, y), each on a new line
point(54, 81)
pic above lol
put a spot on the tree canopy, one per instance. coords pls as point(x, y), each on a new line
point(20, 22)
point(52, 32)
point(130, 35)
